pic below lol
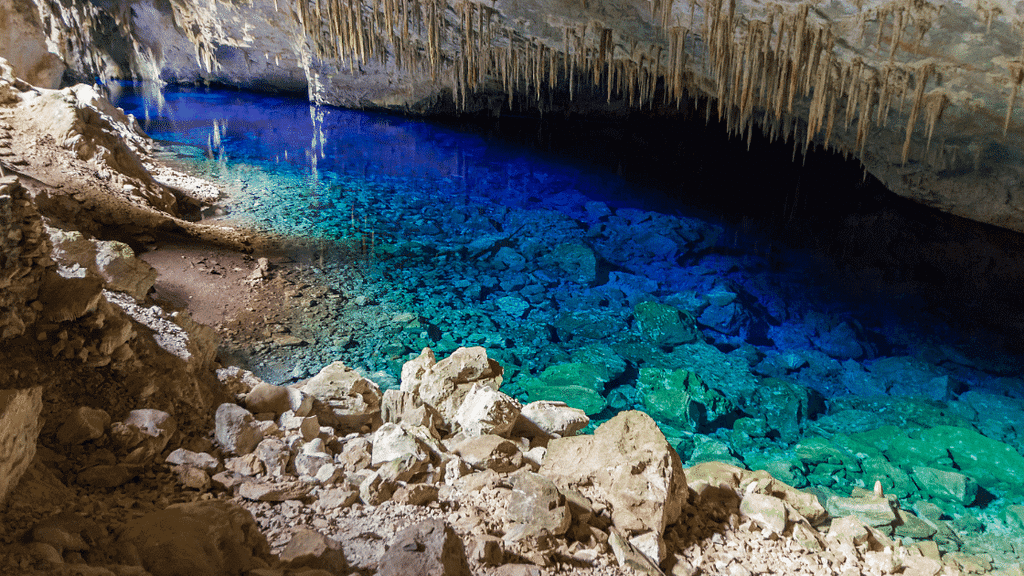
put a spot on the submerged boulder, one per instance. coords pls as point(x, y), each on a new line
point(682, 399)
point(665, 325)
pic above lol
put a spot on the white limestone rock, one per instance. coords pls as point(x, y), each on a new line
point(553, 418)
point(238, 381)
point(344, 399)
point(112, 261)
point(236, 429)
point(143, 434)
point(392, 442)
point(404, 407)
point(445, 384)
point(490, 452)
point(487, 411)
point(275, 456)
point(628, 466)
point(767, 511)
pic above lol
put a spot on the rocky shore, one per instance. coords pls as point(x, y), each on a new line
point(129, 449)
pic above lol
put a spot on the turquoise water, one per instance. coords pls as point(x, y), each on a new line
point(596, 290)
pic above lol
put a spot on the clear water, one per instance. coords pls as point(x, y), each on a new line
point(455, 239)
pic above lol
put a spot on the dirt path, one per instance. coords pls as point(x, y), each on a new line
point(209, 282)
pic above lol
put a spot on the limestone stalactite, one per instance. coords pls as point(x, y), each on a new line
point(787, 69)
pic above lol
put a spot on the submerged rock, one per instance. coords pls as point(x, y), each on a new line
point(585, 399)
point(665, 325)
point(681, 398)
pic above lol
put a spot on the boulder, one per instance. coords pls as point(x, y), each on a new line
point(582, 398)
point(403, 407)
point(313, 461)
point(200, 460)
point(841, 342)
point(786, 406)
point(107, 475)
point(69, 532)
point(536, 506)
point(392, 442)
point(344, 399)
point(992, 464)
point(311, 549)
point(112, 261)
point(274, 454)
point(267, 398)
point(375, 489)
point(416, 494)
point(680, 398)
point(203, 538)
point(872, 510)
point(551, 418)
point(307, 427)
point(584, 374)
point(143, 434)
point(82, 425)
point(122, 271)
point(356, 454)
point(490, 452)
point(429, 548)
point(576, 260)
point(237, 381)
point(665, 325)
point(236, 429)
point(66, 299)
point(628, 466)
point(767, 511)
point(445, 384)
point(946, 485)
point(487, 411)
point(274, 491)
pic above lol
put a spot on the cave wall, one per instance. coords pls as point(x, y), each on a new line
point(923, 93)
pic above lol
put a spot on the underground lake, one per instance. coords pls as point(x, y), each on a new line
point(775, 314)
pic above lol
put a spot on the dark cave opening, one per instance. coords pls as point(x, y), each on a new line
point(874, 243)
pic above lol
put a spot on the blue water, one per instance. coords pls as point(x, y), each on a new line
point(445, 238)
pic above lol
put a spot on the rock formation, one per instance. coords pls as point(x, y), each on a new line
point(924, 94)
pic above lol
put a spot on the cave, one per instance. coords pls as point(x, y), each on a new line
point(424, 286)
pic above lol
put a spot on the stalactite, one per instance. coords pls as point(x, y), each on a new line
point(1016, 78)
point(869, 87)
point(897, 32)
point(853, 91)
point(798, 57)
point(935, 104)
point(921, 80)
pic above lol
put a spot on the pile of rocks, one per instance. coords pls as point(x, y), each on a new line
point(341, 478)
